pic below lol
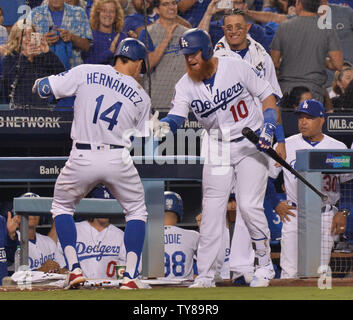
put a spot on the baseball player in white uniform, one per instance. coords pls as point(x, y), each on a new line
point(100, 245)
point(180, 245)
point(42, 250)
point(310, 120)
point(220, 92)
point(238, 43)
point(109, 104)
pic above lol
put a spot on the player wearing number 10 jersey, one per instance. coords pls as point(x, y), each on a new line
point(109, 103)
point(222, 94)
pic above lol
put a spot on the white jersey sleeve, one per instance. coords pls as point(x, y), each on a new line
point(65, 84)
point(271, 77)
point(181, 101)
point(256, 86)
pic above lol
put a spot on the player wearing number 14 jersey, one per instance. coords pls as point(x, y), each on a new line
point(109, 104)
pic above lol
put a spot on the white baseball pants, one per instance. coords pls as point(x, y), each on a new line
point(86, 168)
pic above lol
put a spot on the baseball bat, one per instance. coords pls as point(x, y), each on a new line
point(252, 137)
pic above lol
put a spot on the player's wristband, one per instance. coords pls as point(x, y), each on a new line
point(279, 133)
point(270, 116)
point(175, 122)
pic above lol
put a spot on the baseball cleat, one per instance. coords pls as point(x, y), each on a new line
point(258, 282)
point(74, 279)
point(131, 284)
point(201, 284)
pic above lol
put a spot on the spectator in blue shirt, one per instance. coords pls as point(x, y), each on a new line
point(107, 20)
point(133, 22)
point(215, 27)
point(66, 29)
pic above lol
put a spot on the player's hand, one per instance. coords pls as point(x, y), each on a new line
point(50, 266)
point(281, 150)
point(160, 128)
point(12, 225)
point(266, 137)
point(339, 222)
point(283, 209)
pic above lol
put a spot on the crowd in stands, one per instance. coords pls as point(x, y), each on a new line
point(88, 31)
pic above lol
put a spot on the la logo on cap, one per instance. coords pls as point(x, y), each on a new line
point(305, 105)
point(184, 43)
point(125, 49)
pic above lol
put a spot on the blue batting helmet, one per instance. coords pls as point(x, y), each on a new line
point(101, 192)
point(174, 203)
point(194, 40)
point(133, 49)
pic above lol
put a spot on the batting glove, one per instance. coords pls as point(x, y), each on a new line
point(160, 128)
point(266, 137)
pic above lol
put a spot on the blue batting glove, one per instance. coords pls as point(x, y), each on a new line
point(266, 137)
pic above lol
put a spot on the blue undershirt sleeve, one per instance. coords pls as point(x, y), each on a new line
point(175, 122)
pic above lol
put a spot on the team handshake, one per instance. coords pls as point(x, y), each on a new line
point(160, 128)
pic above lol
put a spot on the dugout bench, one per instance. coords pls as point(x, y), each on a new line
point(153, 170)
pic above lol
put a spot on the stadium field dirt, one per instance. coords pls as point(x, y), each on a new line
point(219, 293)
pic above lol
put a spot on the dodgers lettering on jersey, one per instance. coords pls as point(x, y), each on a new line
point(180, 246)
point(108, 106)
point(42, 250)
point(38, 261)
point(99, 251)
point(232, 104)
point(330, 184)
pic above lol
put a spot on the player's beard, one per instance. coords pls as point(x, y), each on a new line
point(206, 70)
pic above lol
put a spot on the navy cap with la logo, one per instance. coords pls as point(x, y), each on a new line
point(311, 107)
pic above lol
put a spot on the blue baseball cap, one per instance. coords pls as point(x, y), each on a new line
point(101, 192)
point(311, 107)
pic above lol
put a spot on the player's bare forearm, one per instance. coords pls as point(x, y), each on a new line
point(270, 103)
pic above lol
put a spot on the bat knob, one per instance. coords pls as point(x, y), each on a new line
point(324, 198)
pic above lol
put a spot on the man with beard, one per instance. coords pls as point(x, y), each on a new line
point(225, 93)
